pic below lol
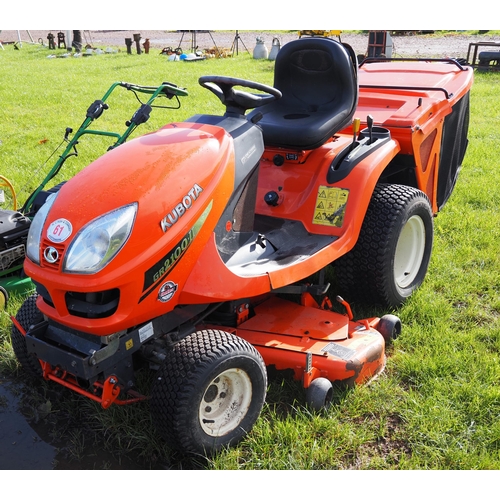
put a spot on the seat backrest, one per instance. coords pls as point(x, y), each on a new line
point(318, 80)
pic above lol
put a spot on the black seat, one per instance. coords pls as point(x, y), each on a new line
point(318, 79)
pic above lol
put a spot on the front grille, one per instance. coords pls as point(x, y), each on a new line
point(93, 305)
point(60, 254)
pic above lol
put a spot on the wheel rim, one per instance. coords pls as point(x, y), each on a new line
point(225, 402)
point(409, 252)
point(3, 298)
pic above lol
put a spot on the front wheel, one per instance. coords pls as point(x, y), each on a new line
point(208, 392)
point(27, 316)
point(392, 254)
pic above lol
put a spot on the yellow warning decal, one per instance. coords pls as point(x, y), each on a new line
point(129, 344)
point(330, 206)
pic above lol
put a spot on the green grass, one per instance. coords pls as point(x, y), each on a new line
point(437, 405)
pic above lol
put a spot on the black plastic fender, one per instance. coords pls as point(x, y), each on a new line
point(366, 143)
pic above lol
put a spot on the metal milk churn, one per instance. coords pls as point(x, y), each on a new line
point(275, 48)
point(260, 50)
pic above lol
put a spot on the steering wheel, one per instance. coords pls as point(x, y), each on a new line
point(4, 182)
point(235, 100)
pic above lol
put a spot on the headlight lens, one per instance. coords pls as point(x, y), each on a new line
point(35, 232)
point(99, 241)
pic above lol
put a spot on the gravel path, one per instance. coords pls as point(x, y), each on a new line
point(454, 45)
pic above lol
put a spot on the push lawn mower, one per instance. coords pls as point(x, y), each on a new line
point(15, 224)
point(191, 255)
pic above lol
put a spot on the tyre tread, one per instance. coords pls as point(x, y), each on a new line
point(27, 315)
point(179, 377)
point(361, 273)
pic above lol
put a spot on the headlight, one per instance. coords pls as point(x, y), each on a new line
point(99, 241)
point(35, 232)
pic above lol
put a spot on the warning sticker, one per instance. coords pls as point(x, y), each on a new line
point(330, 206)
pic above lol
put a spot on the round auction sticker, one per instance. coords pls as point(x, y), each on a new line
point(59, 231)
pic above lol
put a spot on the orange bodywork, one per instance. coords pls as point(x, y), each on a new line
point(173, 157)
point(414, 114)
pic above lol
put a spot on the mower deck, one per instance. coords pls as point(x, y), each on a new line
point(315, 342)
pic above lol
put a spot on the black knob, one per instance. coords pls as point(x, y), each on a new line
point(272, 198)
point(278, 160)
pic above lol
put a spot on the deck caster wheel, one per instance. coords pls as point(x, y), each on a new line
point(319, 394)
point(389, 327)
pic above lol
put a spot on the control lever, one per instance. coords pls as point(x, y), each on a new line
point(355, 129)
point(369, 122)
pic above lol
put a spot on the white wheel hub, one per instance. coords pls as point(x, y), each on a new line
point(225, 402)
point(409, 251)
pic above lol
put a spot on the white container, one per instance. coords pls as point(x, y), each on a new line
point(260, 51)
point(275, 48)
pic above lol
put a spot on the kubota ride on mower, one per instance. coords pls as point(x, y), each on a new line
point(188, 250)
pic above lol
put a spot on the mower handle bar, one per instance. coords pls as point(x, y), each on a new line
point(167, 88)
point(170, 90)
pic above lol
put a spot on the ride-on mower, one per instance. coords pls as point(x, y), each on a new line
point(15, 221)
point(190, 250)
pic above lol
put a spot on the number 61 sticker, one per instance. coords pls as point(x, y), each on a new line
point(59, 231)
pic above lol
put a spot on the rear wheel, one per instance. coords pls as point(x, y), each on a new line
point(391, 257)
point(27, 316)
point(209, 392)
